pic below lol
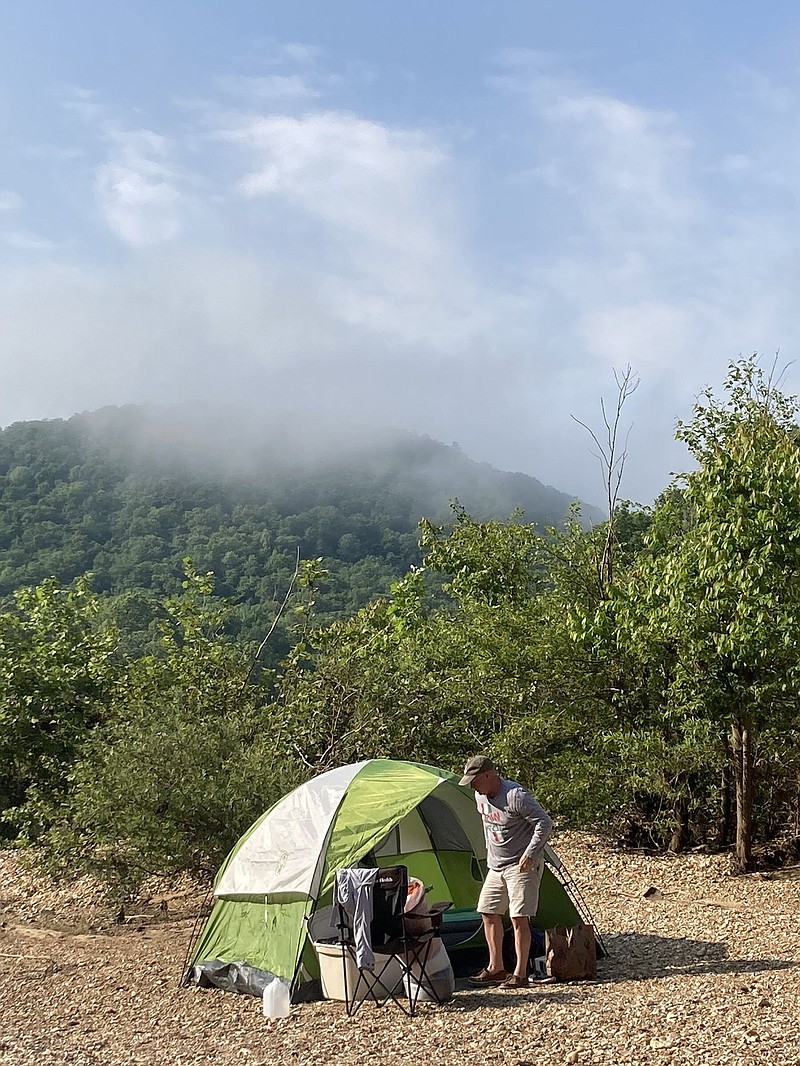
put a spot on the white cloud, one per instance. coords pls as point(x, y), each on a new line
point(137, 190)
point(633, 155)
point(86, 104)
point(165, 327)
point(302, 255)
point(52, 152)
point(354, 287)
point(137, 187)
point(347, 171)
point(16, 238)
point(672, 247)
point(623, 167)
point(646, 335)
point(26, 242)
point(269, 89)
point(10, 201)
point(305, 54)
point(373, 200)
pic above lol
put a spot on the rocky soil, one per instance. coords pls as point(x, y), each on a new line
point(703, 968)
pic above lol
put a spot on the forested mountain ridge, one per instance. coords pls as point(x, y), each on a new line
point(127, 493)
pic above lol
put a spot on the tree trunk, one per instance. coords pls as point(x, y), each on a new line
point(744, 769)
point(725, 829)
point(681, 834)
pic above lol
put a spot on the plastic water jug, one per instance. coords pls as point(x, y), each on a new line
point(275, 1001)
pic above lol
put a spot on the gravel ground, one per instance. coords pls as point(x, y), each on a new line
point(702, 970)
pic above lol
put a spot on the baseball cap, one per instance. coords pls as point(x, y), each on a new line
point(476, 765)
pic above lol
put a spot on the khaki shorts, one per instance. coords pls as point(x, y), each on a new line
point(512, 890)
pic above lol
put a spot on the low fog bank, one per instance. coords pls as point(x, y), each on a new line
point(233, 443)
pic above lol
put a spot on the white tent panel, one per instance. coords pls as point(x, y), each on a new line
point(281, 853)
point(413, 834)
point(390, 845)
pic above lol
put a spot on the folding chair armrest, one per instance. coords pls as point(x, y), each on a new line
point(440, 908)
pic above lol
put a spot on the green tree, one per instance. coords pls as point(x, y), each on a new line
point(722, 607)
point(184, 761)
point(57, 677)
point(585, 712)
point(415, 676)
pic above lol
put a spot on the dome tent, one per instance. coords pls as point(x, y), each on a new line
point(380, 812)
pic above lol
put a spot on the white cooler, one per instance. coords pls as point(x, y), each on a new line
point(332, 975)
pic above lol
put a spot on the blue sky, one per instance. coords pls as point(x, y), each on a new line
point(459, 218)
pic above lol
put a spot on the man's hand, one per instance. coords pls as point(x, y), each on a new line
point(525, 863)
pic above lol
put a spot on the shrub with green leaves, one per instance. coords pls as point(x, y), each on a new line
point(57, 676)
point(182, 765)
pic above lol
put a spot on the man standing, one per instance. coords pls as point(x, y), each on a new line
point(517, 828)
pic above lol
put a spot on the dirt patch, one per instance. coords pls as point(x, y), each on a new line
point(704, 970)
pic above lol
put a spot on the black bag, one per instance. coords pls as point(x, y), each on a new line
point(571, 952)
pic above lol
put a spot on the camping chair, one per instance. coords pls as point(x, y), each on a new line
point(402, 949)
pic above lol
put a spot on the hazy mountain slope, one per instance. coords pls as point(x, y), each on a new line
point(128, 492)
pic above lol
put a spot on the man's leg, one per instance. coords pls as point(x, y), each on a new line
point(492, 904)
point(523, 891)
point(493, 931)
point(522, 943)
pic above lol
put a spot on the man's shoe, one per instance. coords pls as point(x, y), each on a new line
point(487, 978)
point(515, 981)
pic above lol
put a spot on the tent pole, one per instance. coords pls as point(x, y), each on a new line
point(557, 865)
point(194, 937)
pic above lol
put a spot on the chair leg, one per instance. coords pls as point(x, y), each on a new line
point(422, 982)
point(372, 985)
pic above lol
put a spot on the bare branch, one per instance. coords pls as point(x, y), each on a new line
point(612, 460)
point(275, 620)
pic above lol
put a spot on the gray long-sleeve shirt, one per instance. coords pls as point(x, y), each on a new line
point(354, 888)
point(514, 824)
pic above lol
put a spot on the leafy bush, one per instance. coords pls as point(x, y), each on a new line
point(182, 765)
